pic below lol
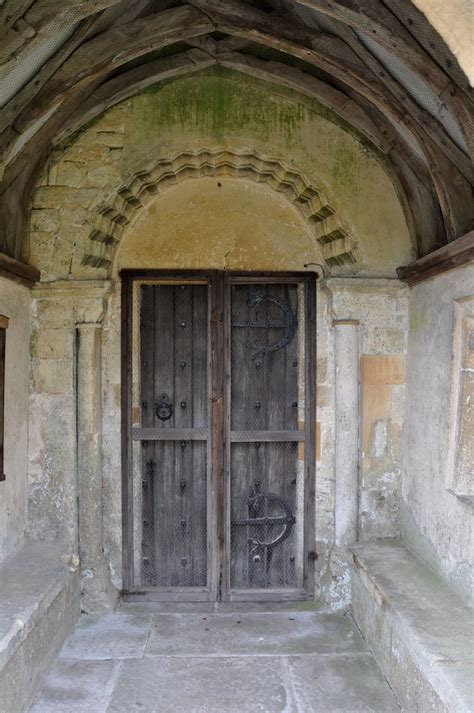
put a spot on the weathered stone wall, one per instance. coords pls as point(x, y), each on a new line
point(228, 220)
point(377, 311)
point(15, 304)
point(53, 489)
point(436, 514)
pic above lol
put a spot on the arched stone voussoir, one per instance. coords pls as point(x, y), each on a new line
point(338, 246)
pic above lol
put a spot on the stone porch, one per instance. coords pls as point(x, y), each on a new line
point(244, 136)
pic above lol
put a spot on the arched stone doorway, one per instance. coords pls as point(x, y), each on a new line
point(217, 507)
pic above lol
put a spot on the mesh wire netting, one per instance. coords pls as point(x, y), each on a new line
point(266, 515)
point(169, 396)
point(22, 67)
point(411, 81)
point(267, 357)
point(267, 395)
point(174, 528)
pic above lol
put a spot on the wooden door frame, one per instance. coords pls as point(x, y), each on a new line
point(219, 283)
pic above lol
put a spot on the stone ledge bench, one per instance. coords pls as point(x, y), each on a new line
point(419, 630)
point(39, 607)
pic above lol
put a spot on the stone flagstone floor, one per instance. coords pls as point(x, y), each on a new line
point(144, 659)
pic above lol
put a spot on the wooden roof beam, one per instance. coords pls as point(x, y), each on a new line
point(454, 94)
point(375, 19)
point(139, 36)
point(422, 117)
point(457, 253)
point(43, 10)
point(109, 50)
point(333, 56)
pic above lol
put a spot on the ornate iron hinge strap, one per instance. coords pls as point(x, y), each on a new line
point(289, 323)
point(285, 520)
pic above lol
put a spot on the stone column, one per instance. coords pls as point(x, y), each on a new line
point(347, 431)
point(98, 593)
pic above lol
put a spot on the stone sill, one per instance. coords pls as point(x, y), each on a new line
point(415, 622)
point(39, 605)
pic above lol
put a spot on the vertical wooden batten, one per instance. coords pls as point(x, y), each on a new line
point(3, 333)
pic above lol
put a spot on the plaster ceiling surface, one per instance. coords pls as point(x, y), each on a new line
point(382, 67)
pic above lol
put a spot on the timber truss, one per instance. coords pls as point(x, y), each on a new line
point(378, 65)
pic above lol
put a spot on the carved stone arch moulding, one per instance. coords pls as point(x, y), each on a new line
point(337, 244)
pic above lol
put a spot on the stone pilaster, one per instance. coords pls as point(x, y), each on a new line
point(97, 590)
point(347, 431)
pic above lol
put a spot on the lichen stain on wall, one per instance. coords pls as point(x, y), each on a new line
point(221, 103)
point(228, 109)
point(220, 224)
point(214, 111)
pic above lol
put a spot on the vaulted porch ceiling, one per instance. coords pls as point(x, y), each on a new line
point(379, 66)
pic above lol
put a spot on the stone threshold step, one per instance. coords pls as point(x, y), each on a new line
point(418, 628)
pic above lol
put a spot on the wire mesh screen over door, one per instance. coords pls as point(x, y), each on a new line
point(266, 404)
point(218, 428)
point(174, 405)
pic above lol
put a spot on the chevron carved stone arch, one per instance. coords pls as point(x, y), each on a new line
point(337, 244)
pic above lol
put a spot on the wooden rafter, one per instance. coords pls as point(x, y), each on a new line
point(334, 57)
point(96, 58)
point(450, 96)
point(328, 53)
point(350, 81)
point(29, 23)
point(457, 253)
point(27, 93)
point(375, 19)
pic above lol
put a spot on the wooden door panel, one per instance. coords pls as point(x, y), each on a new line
point(266, 346)
point(264, 365)
point(265, 469)
point(173, 332)
point(218, 448)
point(175, 514)
point(173, 336)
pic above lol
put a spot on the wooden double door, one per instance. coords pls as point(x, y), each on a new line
point(218, 417)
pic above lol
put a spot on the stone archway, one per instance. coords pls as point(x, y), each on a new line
point(337, 245)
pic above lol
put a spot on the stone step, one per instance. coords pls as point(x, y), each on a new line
point(39, 606)
point(419, 630)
